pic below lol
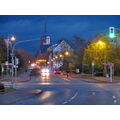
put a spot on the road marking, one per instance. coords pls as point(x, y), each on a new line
point(73, 97)
point(113, 97)
point(93, 93)
point(65, 102)
point(115, 101)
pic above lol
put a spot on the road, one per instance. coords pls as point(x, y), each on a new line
point(59, 90)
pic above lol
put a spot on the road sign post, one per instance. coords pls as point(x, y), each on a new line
point(93, 64)
point(111, 71)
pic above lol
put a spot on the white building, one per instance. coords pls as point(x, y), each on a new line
point(56, 50)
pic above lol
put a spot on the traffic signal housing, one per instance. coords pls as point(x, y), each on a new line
point(111, 32)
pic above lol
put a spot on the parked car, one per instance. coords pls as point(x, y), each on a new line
point(2, 87)
point(57, 71)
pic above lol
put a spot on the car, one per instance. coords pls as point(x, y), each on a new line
point(35, 72)
point(57, 71)
point(45, 72)
point(2, 87)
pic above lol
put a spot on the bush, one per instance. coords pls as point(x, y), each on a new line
point(2, 87)
point(99, 74)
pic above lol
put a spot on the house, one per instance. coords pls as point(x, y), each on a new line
point(56, 50)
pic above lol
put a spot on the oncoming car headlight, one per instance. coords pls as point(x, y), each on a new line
point(47, 70)
point(43, 70)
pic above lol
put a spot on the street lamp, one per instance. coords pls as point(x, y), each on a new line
point(9, 46)
point(8, 42)
point(101, 43)
point(13, 38)
point(56, 57)
point(67, 53)
point(61, 55)
point(33, 64)
point(12, 55)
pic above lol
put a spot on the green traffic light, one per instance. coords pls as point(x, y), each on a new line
point(112, 35)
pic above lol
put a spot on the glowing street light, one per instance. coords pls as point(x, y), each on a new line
point(101, 43)
point(51, 59)
point(56, 57)
point(33, 64)
point(67, 53)
point(13, 38)
point(61, 55)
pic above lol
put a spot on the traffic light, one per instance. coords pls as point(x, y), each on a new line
point(111, 32)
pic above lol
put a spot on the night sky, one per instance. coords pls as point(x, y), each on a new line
point(27, 27)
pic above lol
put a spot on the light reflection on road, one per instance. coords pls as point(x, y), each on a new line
point(100, 85)
point(46, 95)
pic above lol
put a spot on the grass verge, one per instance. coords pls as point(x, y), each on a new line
point(7, 90)
point(116, 77)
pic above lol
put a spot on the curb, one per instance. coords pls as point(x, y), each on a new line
point(13, 99)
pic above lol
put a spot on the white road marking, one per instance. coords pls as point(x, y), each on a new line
point(115, 101)
point(65, 102)
point(93, 93)
point(73, 97)
point(113, 97)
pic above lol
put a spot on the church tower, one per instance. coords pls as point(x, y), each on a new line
point(45, 40)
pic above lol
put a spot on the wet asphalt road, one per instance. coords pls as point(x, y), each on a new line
point(59, 90)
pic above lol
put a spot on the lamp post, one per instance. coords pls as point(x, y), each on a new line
point(67, 53)
point(12, 59)
point(8, 44)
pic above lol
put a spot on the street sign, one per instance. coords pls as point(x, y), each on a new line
point(15, 66)
point(16, 61)
point(6, 63)
point(110, 64)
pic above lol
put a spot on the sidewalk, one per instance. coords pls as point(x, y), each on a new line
point(89, 77)
point(18, 95)
point(21, 78)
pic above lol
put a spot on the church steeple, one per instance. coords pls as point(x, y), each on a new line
point(45, 26)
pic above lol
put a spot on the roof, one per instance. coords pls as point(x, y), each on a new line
point(63, 45)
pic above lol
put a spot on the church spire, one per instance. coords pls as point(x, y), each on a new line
point(45, 26)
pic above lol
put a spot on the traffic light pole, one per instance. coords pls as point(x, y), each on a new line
point(12, 69)
point(12, 55)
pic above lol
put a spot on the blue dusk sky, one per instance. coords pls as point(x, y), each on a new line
point(27, 27)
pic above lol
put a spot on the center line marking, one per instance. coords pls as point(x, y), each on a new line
point(113, 97)
point(93, 93)
point(73, 97)
point(115, 101)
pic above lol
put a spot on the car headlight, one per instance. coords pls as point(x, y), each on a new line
point(47, 74)
point(43, 70)
point(47, 70)
point(43, 74)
